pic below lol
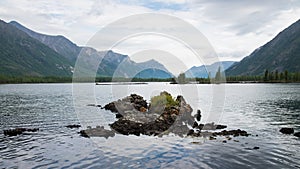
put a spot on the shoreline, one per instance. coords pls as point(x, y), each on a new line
point(147, 82)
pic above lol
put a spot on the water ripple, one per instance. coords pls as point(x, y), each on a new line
point(259, 109)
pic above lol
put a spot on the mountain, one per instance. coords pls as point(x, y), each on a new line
point(22, 55)
point(281, 53)
point(112, 63)
point(59, 43)
point(118, 65)
point(153, 73)
point(204, 70)
point(152, 69)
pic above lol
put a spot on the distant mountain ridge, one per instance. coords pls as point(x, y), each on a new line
point(281, 53)
point(58, 43)
point(204, 70)
point(112, 64)
point(24, 52)
point(22, 55)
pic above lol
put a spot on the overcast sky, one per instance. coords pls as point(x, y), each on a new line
point(233, 27)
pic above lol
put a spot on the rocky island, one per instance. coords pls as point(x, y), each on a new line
point(163, 115)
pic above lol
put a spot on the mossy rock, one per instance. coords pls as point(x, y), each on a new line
point(164, 99)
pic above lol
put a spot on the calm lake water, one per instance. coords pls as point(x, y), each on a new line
point(260, 109)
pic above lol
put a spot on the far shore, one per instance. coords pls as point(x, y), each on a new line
point(146, 83)
point(141, 81)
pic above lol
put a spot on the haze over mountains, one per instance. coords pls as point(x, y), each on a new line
point(22, 55)
point(208, 70)
point(59, 44)
point(112, 64)
point(24, 52)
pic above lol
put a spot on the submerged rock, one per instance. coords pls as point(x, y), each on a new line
point(94, 105)
point(211, 126)
point(297, 134)
point(235, 133)
point(286, 130)
point(212, 138)
point(71, 126)
point(97, 132)
point(18, 131)
point(220, 126)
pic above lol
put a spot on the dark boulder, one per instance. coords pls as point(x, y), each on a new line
point(97, 132)
point(297, 134)
point(286, 130)
point(212, 138)
point(200, 126)
point(71, 126)
point(163, 115)
point(138, 101)
point(219, 126)
point(118, 115)
point(128, 103)
point(142, 124)
point(18, 131)
point(190, 133)
point(198, 115)
point(111, 106)
point(195, 125)
point(211, 126)
point(127, 127)
point(94, 105)
point(136, 117)
point(235, 133)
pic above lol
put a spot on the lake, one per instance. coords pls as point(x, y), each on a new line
point(260, 109)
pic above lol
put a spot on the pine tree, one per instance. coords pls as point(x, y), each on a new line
point(218, 75)
point(286, 74)
point(266, 77)
point(181, 78)
point(276, 75)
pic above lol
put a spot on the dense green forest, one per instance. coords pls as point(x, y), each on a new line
point(267, 77)
point(33, 79)
point(51, 79)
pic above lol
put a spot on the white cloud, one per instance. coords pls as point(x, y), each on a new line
point(172, 1)
point(234, 28)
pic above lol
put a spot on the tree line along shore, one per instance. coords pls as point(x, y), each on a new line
point(267, 77)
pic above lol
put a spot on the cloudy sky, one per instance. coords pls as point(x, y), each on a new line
point(234, 28)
